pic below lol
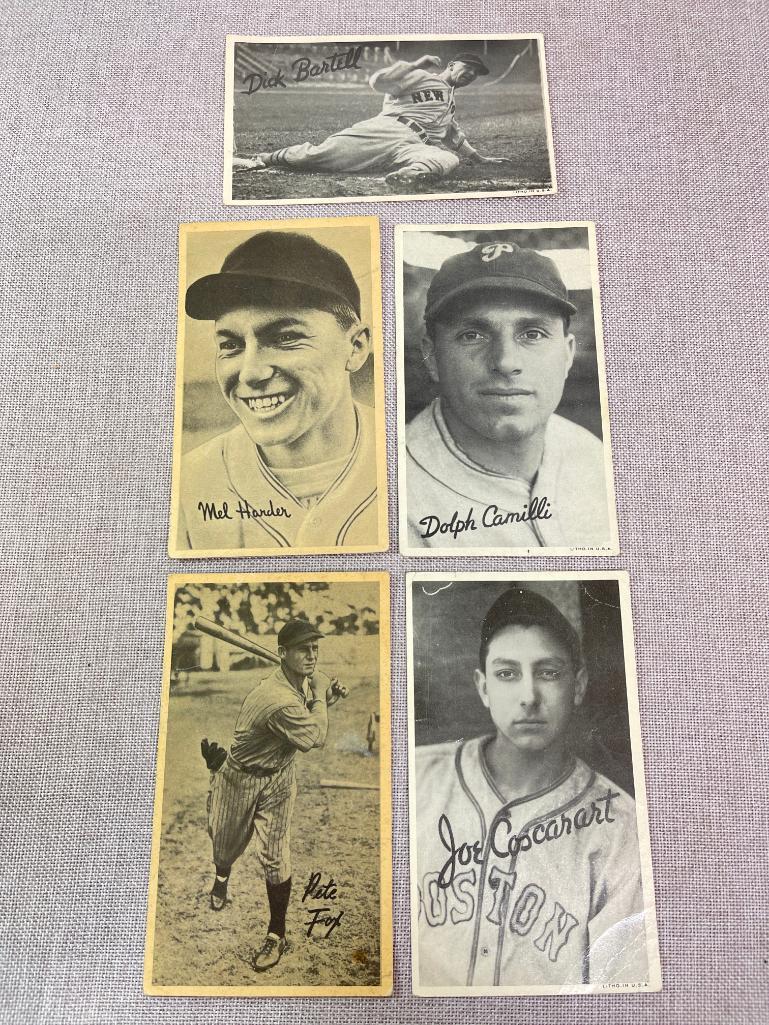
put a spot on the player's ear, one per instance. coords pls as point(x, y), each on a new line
point(571, 346)
point(281, 651)
point(480, 685)
point(580, 686)
point(360, 348)
point(428, 356)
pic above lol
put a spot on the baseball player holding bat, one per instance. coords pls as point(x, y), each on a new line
point(528, 861)
point(253, 784)
point(415, 137)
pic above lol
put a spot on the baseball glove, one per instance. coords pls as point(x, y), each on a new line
point(214, 755)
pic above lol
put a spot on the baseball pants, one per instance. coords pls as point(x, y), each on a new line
point(241, 805)
point(379, 143)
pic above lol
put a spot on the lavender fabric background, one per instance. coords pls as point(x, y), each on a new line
point(114, 135)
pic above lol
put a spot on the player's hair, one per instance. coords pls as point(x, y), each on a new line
point(282, 294)
point(520, 607)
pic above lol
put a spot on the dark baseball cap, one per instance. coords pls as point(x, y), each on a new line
point(521, 607)
point(271, 265)
point(297, 631)
point(502, 266)
point(474, 60)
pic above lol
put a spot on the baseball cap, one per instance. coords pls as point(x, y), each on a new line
point(498, 265)
point(268, 263)
point(297, 631)
point(521, 607)
point(474, 60)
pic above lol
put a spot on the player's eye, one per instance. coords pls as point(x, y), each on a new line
point(550, 675)
point(508, 675)
point(534, 334)
point(229, 346)
point(287, 337)
point(470, 336)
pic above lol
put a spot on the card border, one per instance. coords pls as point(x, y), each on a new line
point(377, 329)
point(229, 84)
point(639, 778)
point(385, 986)
point(613, 548)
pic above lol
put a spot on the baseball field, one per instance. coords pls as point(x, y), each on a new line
point(504, 121)
point(335, 833)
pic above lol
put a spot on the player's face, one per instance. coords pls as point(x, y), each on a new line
point(283, 371)
point(501, 364)
point(461, 74)
point(530, 687)
point(301, 658)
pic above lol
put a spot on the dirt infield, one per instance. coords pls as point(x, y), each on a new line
point(505, 122)
point(335, 832)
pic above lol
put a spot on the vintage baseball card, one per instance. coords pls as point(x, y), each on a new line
point(271, 855)
point(503, 420)
point(530, 857)
point(377, 117)
point(279, 433)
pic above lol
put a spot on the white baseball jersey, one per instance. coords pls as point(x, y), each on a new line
point(540, 891)
point(422, 96)
point(230, 499)
point(441, 481)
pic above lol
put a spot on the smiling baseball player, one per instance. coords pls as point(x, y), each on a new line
point(527, 859)
point(300, 467)
point(253, 786)
point(416, 136)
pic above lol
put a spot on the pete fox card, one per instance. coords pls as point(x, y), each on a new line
point(530, 858)
point(376, 117)
point(271, 856)
point(503, 429)
point(279, 431)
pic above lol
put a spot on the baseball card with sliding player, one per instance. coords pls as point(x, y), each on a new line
point(271, 857)
point(382, 117)
point(279, 435)
point(530, 857)
point(503, 418)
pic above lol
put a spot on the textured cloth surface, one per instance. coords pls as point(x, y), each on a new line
point(114, 135)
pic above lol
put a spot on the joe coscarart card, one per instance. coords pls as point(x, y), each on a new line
point(504, 444)
point(279, 443)
point(271, 856)
point(530, 856)
point(376, 117)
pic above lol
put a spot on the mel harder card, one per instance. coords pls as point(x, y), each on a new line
point(279, 439)
point(271, 857)
point(530, 858)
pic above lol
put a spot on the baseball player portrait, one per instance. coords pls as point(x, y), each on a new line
point(527, 873)
point(295, 463)
point(253, 784)
point(499, 460)
point(386, 117)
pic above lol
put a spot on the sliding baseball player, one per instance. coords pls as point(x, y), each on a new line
point(253, 785)
point(415, 137)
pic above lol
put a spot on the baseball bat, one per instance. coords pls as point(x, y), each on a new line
point(206, 626)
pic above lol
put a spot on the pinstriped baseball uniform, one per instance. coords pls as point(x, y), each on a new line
point(230, 469)
point(254, 791)
point(417, 119)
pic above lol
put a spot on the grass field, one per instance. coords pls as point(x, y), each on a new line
point(505, 122)
point(335, 832)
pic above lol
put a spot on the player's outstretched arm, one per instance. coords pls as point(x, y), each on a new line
point(472, 154)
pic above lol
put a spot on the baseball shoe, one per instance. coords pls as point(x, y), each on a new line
point(409, 177)
point(219, 894)
point(273, 949)
point(248, 164)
